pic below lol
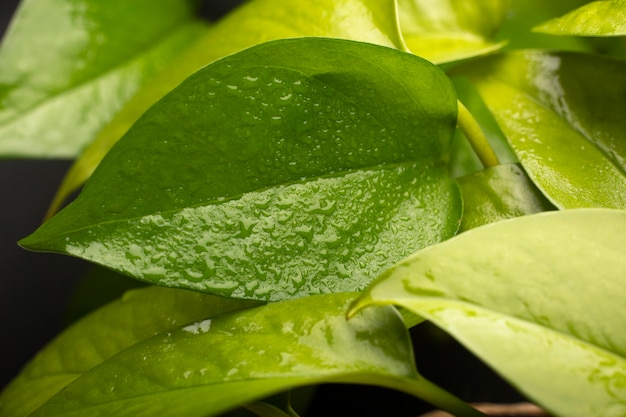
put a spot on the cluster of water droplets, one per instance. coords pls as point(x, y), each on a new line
point(333, 216)
point(330, 234)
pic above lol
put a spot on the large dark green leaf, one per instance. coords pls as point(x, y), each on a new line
point(499, 193)
point(567, 128)
point(255, 22)
point(598, 18)
point(539, 298)
point(212, 365)
point(66, 67)
point(450, 30)
point(292, 168)
point(139, 315)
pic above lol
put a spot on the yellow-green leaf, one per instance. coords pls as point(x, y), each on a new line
point(539, 298)
point(138, 315)
point(451, 30)
point(598, 18)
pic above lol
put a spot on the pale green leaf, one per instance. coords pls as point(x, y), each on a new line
point(539, 298)
point(216, 364)
point(66, 67)
point(451, 30)
point(138, 315)
point(566, 128)
point(291, 168)
point(598, 18)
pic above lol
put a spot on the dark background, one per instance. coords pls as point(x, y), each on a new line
point(35, 289)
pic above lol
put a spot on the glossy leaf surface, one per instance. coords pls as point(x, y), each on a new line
point(499, 193)
point(567, 129)
point(137, 316)
point(212, 365)
point(543, 307)
point(66, 67)
point(255, 22)
point(598, 18)
point(450, 30)
point(292, 168)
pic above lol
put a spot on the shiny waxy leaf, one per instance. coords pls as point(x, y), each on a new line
point(598, 18)
point(215, 364)
point(539, 298)
point(450, 30)
point(255, 22)
point(567, 129)
point(139, 315)
point(66, 67)
point(499, 193)
point(292, 168)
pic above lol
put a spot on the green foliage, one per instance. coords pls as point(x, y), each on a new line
point(293, 152)
point(566, 128)
point(253, 353)
point(598, 18)
point(85, 62)
point(449, 30)
point(538, 298)
point(106, 332)
point(312, 189)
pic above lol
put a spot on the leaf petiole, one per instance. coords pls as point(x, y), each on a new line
point(476, 137)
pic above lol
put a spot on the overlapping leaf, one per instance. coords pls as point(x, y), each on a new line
point(66, 67)
point(215, 364)
point(255, 22)
point(539, 298)
point(450, 30)
point(292, 168)
point(523, 15)
point(499, 193)
point(567, 129)
point(598, 18)
point(139, 315)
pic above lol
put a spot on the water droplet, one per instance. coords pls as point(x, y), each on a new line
point(198, 327)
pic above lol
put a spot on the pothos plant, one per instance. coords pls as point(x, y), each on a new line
point(302, 182)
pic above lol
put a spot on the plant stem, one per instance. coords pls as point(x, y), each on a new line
point(476, 137)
